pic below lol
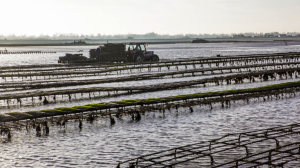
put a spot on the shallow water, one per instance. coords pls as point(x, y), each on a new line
point(83, 100)
point(164, 51)
point(100, 145)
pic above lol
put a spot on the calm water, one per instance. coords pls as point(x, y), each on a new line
point(164, 51)
point(101, 145)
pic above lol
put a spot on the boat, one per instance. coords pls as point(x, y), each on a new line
point(77, 42)
point(198, 40)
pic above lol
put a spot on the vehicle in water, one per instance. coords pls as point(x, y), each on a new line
point(114, 52)
point(77, 42)
point(72, 58)
point(199, 40)
point(137, 52)
point(119, 52)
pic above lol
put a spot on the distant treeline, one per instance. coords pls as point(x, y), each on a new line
point(152, 35)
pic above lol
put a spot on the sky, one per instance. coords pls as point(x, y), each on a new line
point(111, 17)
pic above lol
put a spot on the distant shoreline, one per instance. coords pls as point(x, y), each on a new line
point(20, 43)
point(97, 44)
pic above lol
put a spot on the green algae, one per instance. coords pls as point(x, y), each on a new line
point(13, 116)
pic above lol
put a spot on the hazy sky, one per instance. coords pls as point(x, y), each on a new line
point(35, 17)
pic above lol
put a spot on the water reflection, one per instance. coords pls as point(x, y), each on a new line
point(102, 143)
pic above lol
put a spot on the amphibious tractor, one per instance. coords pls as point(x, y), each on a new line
point(114, 52)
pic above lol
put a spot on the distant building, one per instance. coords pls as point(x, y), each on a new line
point(268, 35)
point(238, 36)
point(282, 35)
point(275, 34)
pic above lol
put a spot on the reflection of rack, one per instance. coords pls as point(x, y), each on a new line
point(274, 147)
point(24, 52)
point(114, 91)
